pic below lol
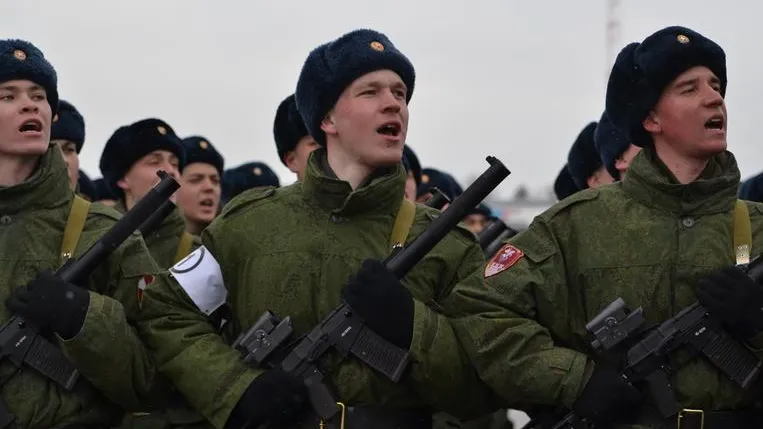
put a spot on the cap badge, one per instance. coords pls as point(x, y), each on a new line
point(682, 39)
point(19, 54)
point(203, 144)
point(161, 130)
point(377, 46)
point(257, 171)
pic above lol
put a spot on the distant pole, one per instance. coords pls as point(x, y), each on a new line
point(612, 34)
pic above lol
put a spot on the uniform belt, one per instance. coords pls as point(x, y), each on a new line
point(361, 417)
point(700, 419)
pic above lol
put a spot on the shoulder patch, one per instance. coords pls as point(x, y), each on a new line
point(507, 256)
point(574, 199)
point(247, 198)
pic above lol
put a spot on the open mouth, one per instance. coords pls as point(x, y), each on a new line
point(392, 129)
point(207, 202)
point(32, 125)
point(715, 123)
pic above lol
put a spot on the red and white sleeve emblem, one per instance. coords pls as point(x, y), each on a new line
point(503, 260)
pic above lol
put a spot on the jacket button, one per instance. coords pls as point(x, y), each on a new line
point(688, 222)
point(5, 220)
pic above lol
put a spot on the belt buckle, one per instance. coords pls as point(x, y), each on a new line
point(324, 425)
point(687, 416)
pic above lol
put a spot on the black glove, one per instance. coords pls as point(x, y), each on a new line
point(274, 397)
point(734, 298)
point(48, 302)
point(608, 397)
point(382, 302)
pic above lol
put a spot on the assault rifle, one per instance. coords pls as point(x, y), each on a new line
point(492, 237)
point(615, 329)
point(438, 199)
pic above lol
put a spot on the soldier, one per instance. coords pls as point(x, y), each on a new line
point(615, 151)
point(42, 224)
point(660, 239)
point(129, 163)
point(291, 249)
point(413, 170)
point(250, 175)
point(68, 133)
point(564, 185)
point(584, 163)
point(200, 193)
point(293, 143)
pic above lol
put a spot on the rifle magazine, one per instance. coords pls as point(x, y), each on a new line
point(380, 355)
point(50, 361)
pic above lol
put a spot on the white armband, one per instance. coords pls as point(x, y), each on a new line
point(200, 276)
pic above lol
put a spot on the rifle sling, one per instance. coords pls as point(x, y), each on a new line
point(742, 233)
point(403, 223)
point(74, 226)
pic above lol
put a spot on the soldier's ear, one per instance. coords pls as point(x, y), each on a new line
point(652, 123)
point(290, 159)
point(327, 124)
point(122, 184)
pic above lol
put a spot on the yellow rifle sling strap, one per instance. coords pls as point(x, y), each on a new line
point(742, 233)
point(403, 223)
point(74, 226)
point(184, 247)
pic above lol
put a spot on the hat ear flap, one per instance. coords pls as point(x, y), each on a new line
point(623, 81)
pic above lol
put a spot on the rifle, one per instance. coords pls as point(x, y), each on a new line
point(438, 199)
point(646, 361)
point(342, 329)
point(22, 343)
point(492, 237)
point(156, 218)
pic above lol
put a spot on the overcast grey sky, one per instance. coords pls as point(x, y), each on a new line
point(514, 79)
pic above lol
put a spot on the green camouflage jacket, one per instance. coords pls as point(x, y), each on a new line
point(107, 351)
point(647, 239)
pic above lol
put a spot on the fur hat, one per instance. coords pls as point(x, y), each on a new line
point(132, 142)
point(643, 70)
point(199, 149)
point(68, 124)
point(332, 67)
point(21, 60)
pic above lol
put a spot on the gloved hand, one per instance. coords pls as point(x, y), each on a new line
point(274, 397)
point(607, 397)
point(51, 303)
point(382, 302)
point(734, 298)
